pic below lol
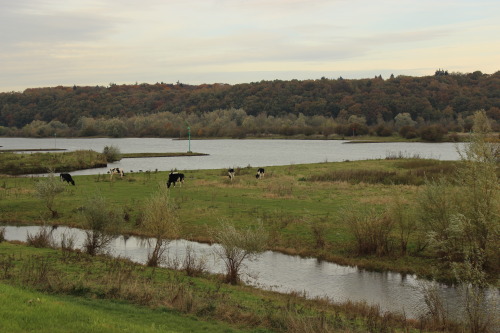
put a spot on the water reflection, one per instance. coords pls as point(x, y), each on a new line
point(284, 273)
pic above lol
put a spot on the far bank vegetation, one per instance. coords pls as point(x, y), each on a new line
point(430, 108)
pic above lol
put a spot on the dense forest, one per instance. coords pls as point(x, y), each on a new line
point(429, 107)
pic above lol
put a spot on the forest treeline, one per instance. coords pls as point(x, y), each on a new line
point(426, 107)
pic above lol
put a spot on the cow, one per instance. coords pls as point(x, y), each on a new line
point(230, 173)
point(175, 177)
point(116, 171)
point(260, 173)
point(66, 177)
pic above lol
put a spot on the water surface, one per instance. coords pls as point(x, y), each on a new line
point(285, 273)
point(236, 153)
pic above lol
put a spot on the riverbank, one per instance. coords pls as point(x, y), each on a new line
point(118, 287)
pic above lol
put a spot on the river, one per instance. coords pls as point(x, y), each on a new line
point(285, 273)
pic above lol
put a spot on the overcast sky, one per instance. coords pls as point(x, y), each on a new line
point(46, 43)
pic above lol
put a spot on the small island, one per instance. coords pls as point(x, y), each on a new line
point(42, 161)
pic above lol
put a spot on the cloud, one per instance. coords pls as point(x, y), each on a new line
point(52, 42)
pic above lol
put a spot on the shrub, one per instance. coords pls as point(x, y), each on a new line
point(102, 223)
point(43, 238)
point(408, 132)
point(112, 153)
point(47, 189)
point(236, 246)
point(192, 264)
point(160, 221)
point(433, 133)
point(371, 231)
point(383, 130)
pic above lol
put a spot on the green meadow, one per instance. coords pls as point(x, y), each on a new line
point(306, 209)
point(302, 206)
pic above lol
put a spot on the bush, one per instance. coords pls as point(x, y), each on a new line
point(383, 130)
point(371, 232)
point(102, 224)
point(112, 153)
point(408, 132)
point(47, 189)
point(161, 222)
point(43, 238)
point(433, 133)
point(236, 246)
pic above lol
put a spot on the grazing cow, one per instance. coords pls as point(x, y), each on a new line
point(260, 173)
point(175, 177)
point(66, 177)
point(116, 171)
point(230, 173)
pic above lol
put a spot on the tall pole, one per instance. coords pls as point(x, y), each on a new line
point(189, 139)
point(55, 141)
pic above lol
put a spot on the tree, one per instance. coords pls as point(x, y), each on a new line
point(102, 223)
point(480, 200)
point(467, 227)
point(235, 246)
point(462, 215)
point(47, 189)
point(160, 222)
point(404, 119)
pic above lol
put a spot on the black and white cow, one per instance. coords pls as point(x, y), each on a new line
point(260, 173)
point(116, 171)
point(66, 177)
point(175, 177)
point(230, 173)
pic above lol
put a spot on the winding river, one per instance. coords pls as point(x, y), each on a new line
point(285, 273)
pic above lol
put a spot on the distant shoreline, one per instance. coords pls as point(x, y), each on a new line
point(141, 155)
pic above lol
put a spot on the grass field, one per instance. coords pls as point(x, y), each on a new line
point(297, 204)
point(24, 310)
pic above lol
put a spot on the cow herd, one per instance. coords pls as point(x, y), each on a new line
point(173, 177)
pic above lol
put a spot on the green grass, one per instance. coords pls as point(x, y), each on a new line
point(25, 310)
point(19, 164)
point(289, 201)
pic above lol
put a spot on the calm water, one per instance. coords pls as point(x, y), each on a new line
point(235, 153)
point(284, 273)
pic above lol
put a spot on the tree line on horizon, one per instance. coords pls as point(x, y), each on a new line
point(426, 107)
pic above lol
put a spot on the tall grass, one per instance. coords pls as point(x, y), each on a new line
point(371, 231)
point(18, 164)
point(414, 172)
point(43, 238)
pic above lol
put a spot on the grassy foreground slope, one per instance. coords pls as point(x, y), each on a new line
point(54, 290)
point(24, 310)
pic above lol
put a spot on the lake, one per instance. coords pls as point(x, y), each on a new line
point(224, 154)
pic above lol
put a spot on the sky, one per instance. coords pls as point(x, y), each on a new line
point(47, 43)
